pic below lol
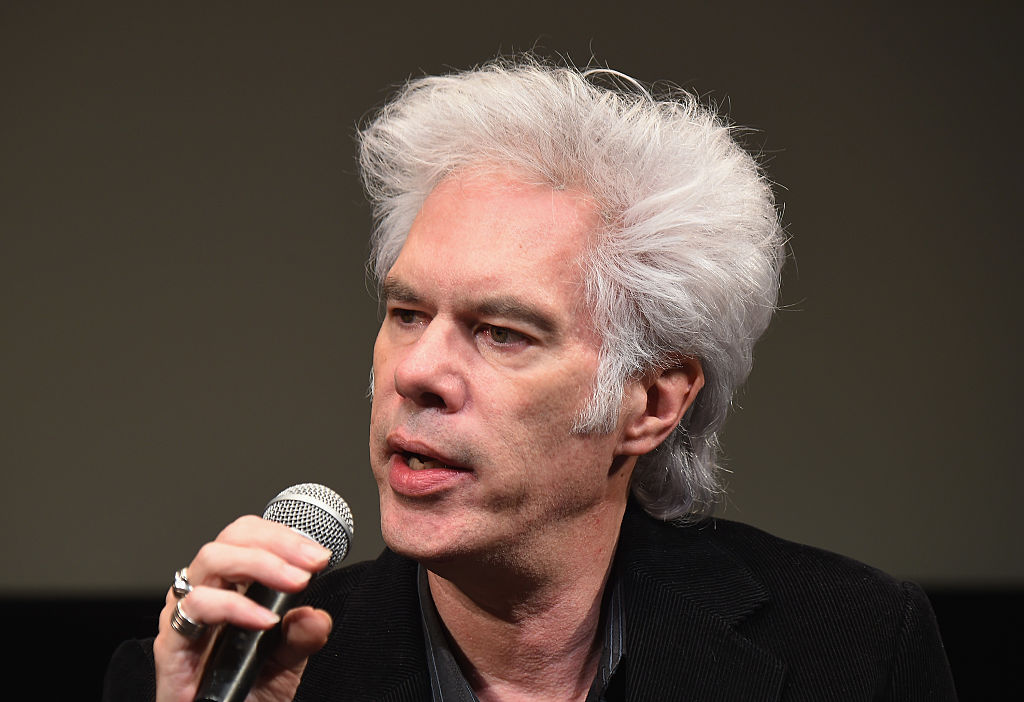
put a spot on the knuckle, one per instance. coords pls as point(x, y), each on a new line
point(207, 553)
point(199, 603)
point(248, 521)
point(163, 646)
point(228, 532)
point(241, 530)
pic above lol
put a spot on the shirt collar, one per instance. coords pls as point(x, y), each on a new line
point(448, 684)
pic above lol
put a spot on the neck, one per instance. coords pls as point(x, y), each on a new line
point(529, 628)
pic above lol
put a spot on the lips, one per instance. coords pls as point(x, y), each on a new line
point(419, 471)
point(421, 455)
point(417, 461)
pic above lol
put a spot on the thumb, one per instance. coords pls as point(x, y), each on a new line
point(304, 631)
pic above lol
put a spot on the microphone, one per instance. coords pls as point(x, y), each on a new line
point(238, 654)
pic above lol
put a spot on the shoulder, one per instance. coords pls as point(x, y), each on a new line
point(817, 595)
point(789, 572)
point(791, 569)
point(827, 618)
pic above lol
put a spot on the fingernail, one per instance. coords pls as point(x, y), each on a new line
point(297, 575)
point(314, 551)
point(269, 618)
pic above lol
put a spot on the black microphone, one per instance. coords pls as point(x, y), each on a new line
point(238, 654)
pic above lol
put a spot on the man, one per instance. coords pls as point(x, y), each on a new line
point(573, 279)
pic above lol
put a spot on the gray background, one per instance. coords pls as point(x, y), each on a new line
point(186, 327)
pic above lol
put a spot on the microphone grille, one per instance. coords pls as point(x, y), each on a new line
point(318, 512)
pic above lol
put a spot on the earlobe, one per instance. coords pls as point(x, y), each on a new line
point(656, 403)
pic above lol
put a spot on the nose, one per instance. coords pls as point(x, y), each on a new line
point(430, 373)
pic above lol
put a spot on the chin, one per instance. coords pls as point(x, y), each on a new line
point(426, 549)
point(417, 532)
point(442, 531)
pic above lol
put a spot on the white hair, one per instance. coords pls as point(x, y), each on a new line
point(687, 262)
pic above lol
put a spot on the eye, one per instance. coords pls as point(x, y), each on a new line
point(503, 336)
point(404, 316)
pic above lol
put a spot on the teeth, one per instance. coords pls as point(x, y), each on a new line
point(416, 462)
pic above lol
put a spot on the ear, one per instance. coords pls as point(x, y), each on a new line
point(655, 403)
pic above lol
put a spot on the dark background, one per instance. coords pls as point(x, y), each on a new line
point(187, 327)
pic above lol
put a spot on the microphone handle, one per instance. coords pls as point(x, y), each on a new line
point(238, 654)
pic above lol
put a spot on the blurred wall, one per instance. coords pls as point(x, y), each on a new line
point(186, 325)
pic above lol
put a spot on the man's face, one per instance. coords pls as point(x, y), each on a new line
point(483, 361)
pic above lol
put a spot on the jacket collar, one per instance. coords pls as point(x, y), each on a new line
point(685, 594)
point(687, 597)
point(376, 653)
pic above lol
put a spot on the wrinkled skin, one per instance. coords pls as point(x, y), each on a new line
point(249, 549)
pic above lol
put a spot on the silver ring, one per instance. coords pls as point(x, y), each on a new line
point(181, 585)
point(187, 627)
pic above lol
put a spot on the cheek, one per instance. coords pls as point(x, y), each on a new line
point(378, 353)
point(383, 368)
point(545, 417)
point(381, 393)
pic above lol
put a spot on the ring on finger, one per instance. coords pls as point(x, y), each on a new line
point(185, 625)
point(181, 586)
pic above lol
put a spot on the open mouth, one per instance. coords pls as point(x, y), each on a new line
point(418, 461)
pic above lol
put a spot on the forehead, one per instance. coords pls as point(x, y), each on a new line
point(481, 229)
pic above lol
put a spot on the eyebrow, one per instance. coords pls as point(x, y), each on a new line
point(509, 307)
point(504, 306)
point(392, 290)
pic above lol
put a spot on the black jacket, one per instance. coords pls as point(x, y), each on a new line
point(717, 611)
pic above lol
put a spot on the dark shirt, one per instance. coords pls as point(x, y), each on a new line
point(448, 684)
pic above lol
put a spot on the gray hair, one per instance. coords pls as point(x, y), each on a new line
point(686, 264)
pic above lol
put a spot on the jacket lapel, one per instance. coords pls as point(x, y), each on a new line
point(376, 653)
point(685, 596)
point(685, 600)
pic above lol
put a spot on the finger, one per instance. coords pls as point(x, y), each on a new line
point(219, 564)
point(213, 606)
point(287, 543)
point(304, 632)
point(170, 640)
point(178, 659)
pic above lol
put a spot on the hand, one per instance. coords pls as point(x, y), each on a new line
point(249, 549)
